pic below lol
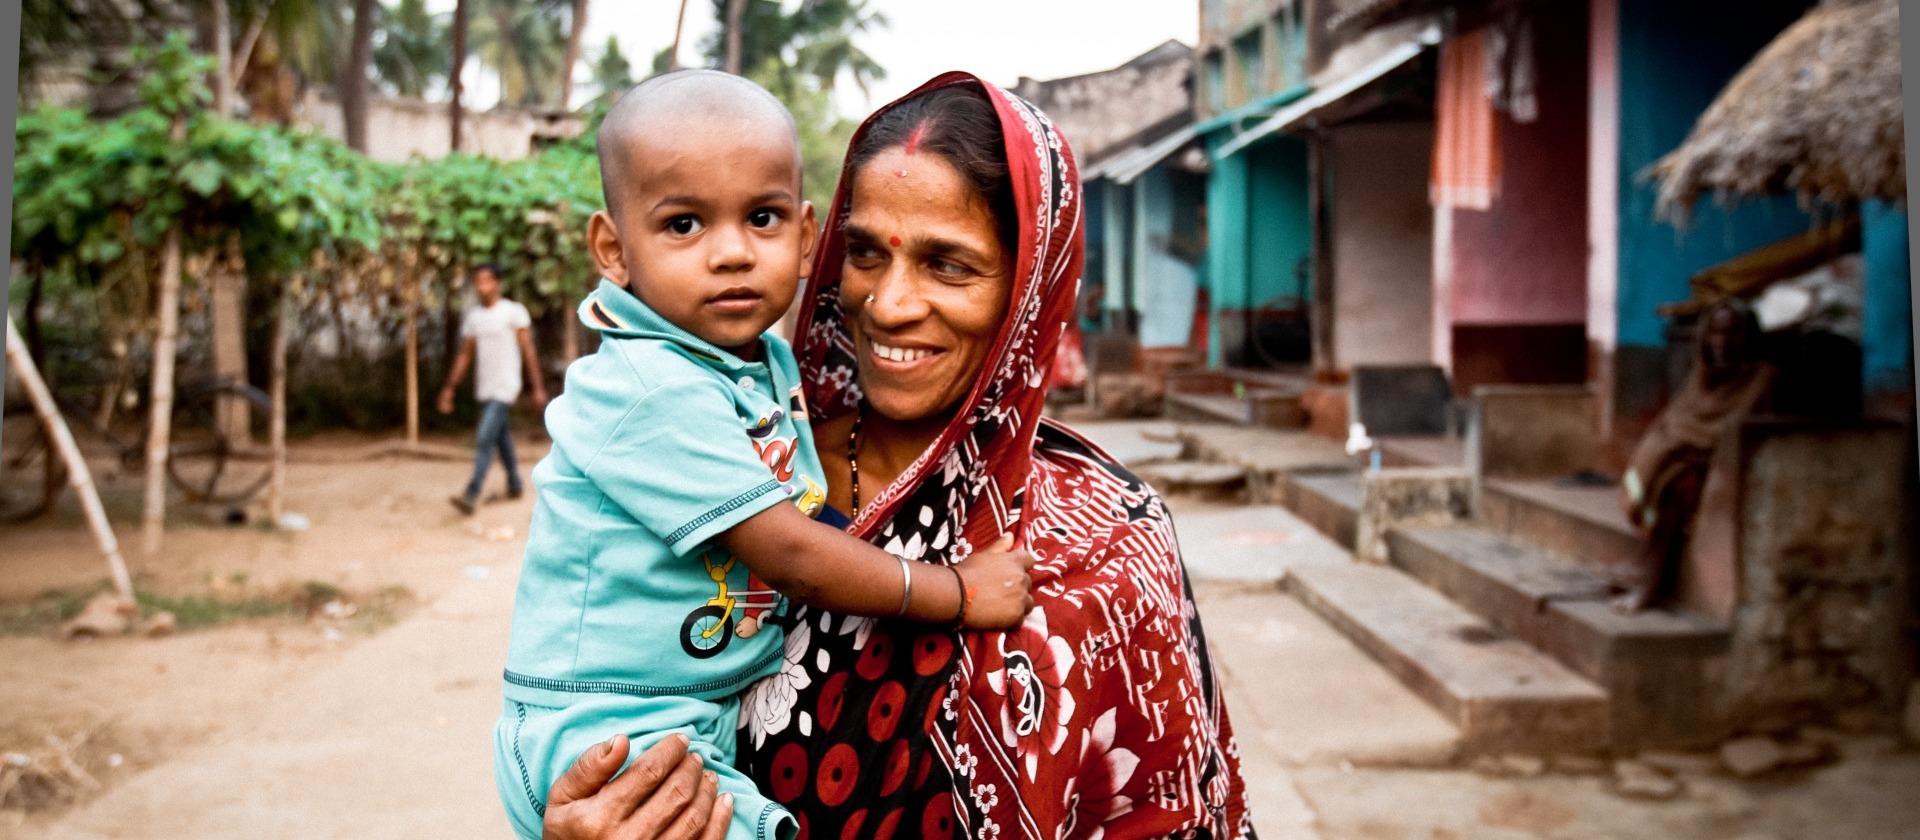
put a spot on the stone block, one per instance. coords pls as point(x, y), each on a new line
point(1535, 431)
point(1401, 399)
point(1408, 496)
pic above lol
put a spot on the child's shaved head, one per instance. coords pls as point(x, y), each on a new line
point(666, 103)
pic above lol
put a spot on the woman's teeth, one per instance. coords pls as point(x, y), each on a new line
point(900, 354)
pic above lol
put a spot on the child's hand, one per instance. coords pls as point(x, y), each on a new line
point(1001, 582)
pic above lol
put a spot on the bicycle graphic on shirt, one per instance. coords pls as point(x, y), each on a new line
point(711, 627)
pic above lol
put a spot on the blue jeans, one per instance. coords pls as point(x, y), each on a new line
point(494, 434)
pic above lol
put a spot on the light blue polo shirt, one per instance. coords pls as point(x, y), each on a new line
point(626, 613)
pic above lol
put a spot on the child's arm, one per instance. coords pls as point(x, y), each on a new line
point(822, 566)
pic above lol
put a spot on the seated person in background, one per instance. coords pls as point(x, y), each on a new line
point(1665, 477)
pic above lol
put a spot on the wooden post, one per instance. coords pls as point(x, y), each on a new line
point(413, 364)
point(78, 475)
point(1320, 314)
point(453, 76)
point(159, 429)
point(228, 281)
point(277, 418)
point(223, 71)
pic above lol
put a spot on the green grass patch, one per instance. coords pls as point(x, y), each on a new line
point(373, 611)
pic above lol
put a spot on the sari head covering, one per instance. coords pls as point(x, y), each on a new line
point(1101, 714)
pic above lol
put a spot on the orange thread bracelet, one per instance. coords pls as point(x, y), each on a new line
point(966, 598)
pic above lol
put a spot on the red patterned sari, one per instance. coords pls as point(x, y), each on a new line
point(1101, 715)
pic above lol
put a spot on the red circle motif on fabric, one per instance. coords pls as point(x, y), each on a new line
point(851, 830)
point(898, 761)
point(884, 715)
point(874, 660)
point(839, 768)
point(885, 830)
point(931, 653)
point(789, 772)
point(832, 698)
point(936, 822)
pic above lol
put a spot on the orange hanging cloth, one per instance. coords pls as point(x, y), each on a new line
point(1466, 147)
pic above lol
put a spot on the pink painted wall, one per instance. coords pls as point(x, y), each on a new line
point(1524, 261)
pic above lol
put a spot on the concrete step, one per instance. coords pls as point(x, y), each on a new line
point(1208, 408)
point(1329, 501)
point(1197, 477)
point(1581, 523)
point(1502, 694)
point(1657, 666)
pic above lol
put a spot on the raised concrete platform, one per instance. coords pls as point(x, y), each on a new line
point(1658, 666)
point(1582, 523)
point(1502, 694)
point(1208, 408)
point(1199, 477)
point(1329, 501)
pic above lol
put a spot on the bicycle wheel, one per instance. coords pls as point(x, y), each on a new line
point(201, 460)
point(31, 472)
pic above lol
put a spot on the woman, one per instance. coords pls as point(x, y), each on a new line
point(948, 270)
point(1667, 476)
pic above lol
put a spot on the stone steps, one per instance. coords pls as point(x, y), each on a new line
point(1655, 664)
point(1329, 501)
point(1502, 694)
point(1583, 524)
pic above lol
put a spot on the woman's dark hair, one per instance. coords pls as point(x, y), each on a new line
point(957, 123)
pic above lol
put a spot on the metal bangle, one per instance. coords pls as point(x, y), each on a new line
point(906, 592)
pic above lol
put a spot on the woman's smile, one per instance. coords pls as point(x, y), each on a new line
point(900, 358)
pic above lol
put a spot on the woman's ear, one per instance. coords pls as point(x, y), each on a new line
point(603, 241)
point(809, 237)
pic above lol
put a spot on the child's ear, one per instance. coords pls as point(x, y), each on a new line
point(603, 241)
point(809, 237)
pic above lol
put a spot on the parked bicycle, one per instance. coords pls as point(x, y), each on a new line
point(202, 461)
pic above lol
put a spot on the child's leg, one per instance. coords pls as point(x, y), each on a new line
point(534, 746)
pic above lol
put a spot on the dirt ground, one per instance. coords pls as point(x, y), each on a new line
point(383, 541)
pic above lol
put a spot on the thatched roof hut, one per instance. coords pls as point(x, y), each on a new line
point(1817, 113)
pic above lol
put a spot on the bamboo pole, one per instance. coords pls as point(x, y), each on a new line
point(160, 427)
point(78, 476)
point(413, 365)
point(277, 418)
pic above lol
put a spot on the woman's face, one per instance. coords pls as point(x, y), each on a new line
point(926, 283)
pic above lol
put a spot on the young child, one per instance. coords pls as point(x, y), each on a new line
point(683, 472)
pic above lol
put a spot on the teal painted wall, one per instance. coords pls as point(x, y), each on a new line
point(1228, 220)
point(1888, 330)
point(1279, 241)
point(1165, 287)
point(1116, 212)
point(1674, 59)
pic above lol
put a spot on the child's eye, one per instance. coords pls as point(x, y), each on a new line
point(763, 218)
point(684, 225)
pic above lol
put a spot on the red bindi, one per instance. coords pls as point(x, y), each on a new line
point(894, 241)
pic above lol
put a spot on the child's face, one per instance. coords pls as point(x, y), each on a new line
point(712, 232)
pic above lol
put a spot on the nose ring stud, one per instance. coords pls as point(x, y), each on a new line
point(869, 299)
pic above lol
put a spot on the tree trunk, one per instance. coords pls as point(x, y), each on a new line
point(159, 428)
point(353, 77)
point(679, 25)
point(413, 364)
point(223, 71)
point(575, 35)
point(64, 448)
point(243, 54)
point(228, 279)
point(277, 424)
point(736, 11)
point(453, 76)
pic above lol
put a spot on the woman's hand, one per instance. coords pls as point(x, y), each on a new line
point(1001, 583)
point(663, 795)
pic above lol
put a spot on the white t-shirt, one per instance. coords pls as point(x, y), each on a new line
point(495, 333)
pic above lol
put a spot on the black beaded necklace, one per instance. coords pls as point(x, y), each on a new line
point(853, 459)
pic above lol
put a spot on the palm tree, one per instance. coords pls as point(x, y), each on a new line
point(353, 75)
point(522, 41)
point(612, 73)
point(827, 31)
point(408, 53)
point(576, 30)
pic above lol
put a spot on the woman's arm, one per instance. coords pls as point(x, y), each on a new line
point(824, 567)
point(663, 796)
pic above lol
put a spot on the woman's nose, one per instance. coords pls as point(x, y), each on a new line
point(729, 249)
point(895, 299)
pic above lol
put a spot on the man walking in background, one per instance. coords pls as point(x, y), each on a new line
point(496, 340)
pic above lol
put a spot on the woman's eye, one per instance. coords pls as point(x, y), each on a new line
point(948, 268)
point(683, 225)
point(763, 218)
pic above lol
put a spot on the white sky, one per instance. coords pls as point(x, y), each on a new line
point(1001, 40)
